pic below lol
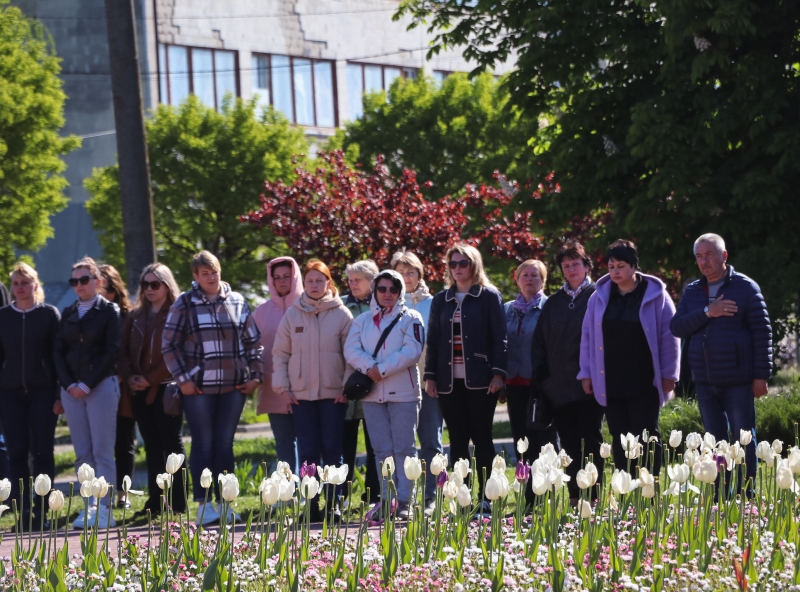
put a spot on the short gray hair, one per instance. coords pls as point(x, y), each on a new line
point(368, 268)
point(712, 238)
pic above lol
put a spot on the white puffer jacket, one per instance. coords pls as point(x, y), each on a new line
point(398, 356)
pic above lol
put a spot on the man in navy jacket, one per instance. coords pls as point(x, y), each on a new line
point(730, 353)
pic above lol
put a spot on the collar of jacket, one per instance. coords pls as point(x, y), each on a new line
point(199, 297)
point(311, 306)
point(140, 320)
point(421, 293)
point(654, 287)
point(353, 301)
point(99, 303)
point(703, 281)
point(376, 308)
point(475, 290)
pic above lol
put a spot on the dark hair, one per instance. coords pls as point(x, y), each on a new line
point(573, 250)
point(285, 263)
point(385, 275)
point(115, 285)
point(623, 250)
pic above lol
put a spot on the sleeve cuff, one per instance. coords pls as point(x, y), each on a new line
point(84, 388)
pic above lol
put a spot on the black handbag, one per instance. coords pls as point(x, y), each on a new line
point(359, 384)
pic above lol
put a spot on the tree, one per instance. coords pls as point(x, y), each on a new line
point(31, 113)
point(340, 215)
point(451, 134)
point(207, 170)
point(681, 117)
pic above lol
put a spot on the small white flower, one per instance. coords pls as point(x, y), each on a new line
point(605, 450)
point(206, 479)
point(412, 467)
point(56, 501)
point(438, 463)
point(675, 438)
point(745, 437)
point(42, 485)
point(174, 462)
point(522, 445)
point(164, 480)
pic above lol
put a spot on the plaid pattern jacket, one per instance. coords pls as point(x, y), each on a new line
point(200, 342)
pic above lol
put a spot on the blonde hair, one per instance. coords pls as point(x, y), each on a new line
point(408, 258)
point(479, 276)
point(28, 272)
point(540, 267)
point(164, 274)
point(205, 259)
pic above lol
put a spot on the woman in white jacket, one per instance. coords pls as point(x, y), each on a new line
point(391, 408)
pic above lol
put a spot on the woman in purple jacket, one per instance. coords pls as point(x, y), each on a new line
point(629, 357)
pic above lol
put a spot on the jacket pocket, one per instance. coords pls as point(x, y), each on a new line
point(331, 370)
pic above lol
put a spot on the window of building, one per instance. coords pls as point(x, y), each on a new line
point(440, 75)
point(363, 78)
point(303, 89)
point(208, 73)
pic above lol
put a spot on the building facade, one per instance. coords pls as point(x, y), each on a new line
point(310, 59)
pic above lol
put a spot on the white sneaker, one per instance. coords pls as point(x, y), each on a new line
point(105, 518)
point(84, 518)
point(231, 514)
point(209, 516)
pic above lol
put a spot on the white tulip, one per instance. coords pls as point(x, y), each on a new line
point(705, 470)
point(85, 473)
point(412, 467)
point(450, 490)
point(709, 441)
point(539, 483)
point(5, 489)
point(270, 492)
point(793, 460)
point(633, 453)
point(679, 473)
point(284, 470)
point(438, 463)
point(126, 483)
point(287, 488)
point(56, 501)
point(492, 488)
point(464, 496)
point(736, 454)
point(335, 475)
point(515, 486)
point(777, 446)
point(693, 441)
point(505, 487)
point(691, 456)
point(86, 489)
point(309, 487)
point(164, 480)
point(592, 470)
point(784, 477)
point(455, 478)
point(764, 450)
point(557, 478)
point(42, 485)
point(387, 467)
point(648, 483)
point(745, 437)
point(673, 489)
point(584, 509)
point(612, 503)
point(499, 464)
point(675, 438)
point(174, 462)
point(522, 445)
point(229, 487)
point(99, 487)
point(206, 479)
point(622, 483)
point(583, 479)
point(629, 443)
point(564, 459)
point(461, 468)
point(605, 450)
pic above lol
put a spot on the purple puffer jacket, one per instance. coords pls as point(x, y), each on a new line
point(656, 312)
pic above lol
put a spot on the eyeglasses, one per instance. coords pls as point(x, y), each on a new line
point(394, 290)
point(462, 263)
point(83, 280)
point(154, 285)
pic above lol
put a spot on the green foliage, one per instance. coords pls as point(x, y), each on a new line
point(452, 134)
point(207, 169)
point(31, 113)
point(682, 415)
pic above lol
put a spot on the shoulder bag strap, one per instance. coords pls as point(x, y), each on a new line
point(386, 332)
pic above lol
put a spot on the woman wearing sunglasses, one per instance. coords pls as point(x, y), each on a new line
point(391, 409)
point(86, 354)
point(142, 367)
point(465, 363)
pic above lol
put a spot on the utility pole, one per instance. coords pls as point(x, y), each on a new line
point(134, 171)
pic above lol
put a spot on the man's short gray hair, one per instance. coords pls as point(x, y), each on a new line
point(712, 238)
point(368, 268)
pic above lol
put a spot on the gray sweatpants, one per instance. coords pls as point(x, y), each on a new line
point(392, 432)
point(92, 424)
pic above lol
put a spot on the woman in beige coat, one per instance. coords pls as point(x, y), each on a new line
point(308, 366)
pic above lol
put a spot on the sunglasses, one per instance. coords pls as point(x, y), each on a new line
point(155, 285)
point(392, 290)
point(463, 264)
point(83, 280)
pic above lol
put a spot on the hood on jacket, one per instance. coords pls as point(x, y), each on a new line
point(376, 308)
point(311, 306)
point(296, 290)
point(654, 287)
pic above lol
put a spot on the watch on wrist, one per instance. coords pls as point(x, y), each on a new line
point(705, 310)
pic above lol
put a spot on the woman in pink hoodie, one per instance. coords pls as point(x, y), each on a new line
point(285, 286)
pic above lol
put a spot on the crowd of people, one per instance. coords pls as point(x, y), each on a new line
point(590, 350)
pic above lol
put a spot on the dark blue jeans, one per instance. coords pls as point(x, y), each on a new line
point(319, 426)
point(212, 423)
point(730, 407)
point(282, 426)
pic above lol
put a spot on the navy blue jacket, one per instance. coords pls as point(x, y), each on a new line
point(726, 351)
point(483, 333)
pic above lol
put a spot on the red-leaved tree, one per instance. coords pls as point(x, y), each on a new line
point(341, 215)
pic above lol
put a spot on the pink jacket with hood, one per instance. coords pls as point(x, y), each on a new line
point(267, 317)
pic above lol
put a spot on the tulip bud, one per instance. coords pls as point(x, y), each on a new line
point(206, 479)
point(309, 487)
point(583, 480)
point(126, 483)
point(464, 496)
point(784, 477)
point(85, 473)
point(164, 480)
point(86, 489)
point(441, 479)
point(499, 464)
point(492, 488)
point(438, 463)
point(764, 450)
point(461, 468)
point(287, 488)
point(387, 467)
point(42, 485)
point(605, 450)
point(5, 489)
point(540, 484)
point(584, 509)
point(523, 471)
point(522, 445)
point(229, 488)
point(564, 459)
point(412, 468)
point(777, 446)
point(450, 490)
point(793, 460)
point(310, 470)
point(675, 438)
point(745, 437)
point(705, 470)
point(99, 487)
point(56, 501)
point(693, 440)
point(270, 493)
point(174, 462)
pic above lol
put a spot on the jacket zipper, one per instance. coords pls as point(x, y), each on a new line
point(24, 385)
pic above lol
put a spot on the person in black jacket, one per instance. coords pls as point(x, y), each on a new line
point(555, 359)
point(730, 352)
point(86, 353)
point(5, 298)
point(28, 385)
point(466, 359)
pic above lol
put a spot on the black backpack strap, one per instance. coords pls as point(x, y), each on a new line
point(386, 332)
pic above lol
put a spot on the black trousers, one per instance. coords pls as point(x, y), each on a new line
point(349, 449)
point(162, 436)
point(633, 415)
point(125, 448)
point(469, 415)
point(580, 426)
point(517, 399)
point(30, 428)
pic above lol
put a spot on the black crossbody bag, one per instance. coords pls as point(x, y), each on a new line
point(359, 384)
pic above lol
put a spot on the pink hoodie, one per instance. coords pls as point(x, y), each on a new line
point(267, 317)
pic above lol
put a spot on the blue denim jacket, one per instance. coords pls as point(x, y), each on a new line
point(520, 339)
